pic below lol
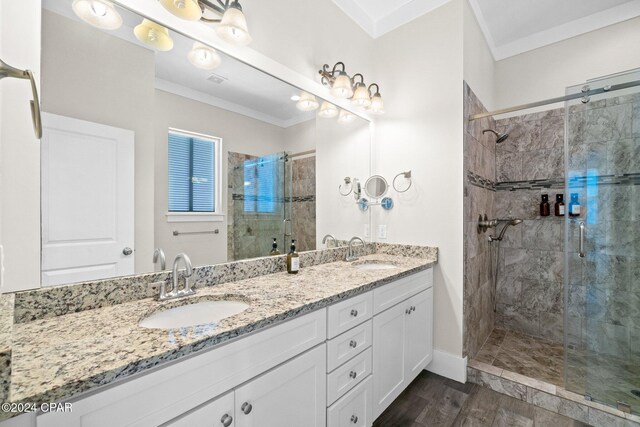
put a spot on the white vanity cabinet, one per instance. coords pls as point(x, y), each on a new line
point(402, 339)
point(334, 367)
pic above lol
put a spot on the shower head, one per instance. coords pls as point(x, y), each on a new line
point(500, 137)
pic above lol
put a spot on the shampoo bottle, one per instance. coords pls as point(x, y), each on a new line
point(559, 208)
point(544, 205)
point(293, 259)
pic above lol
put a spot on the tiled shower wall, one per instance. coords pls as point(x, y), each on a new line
point(479, 167)
point(303, 203)
point(530, 163)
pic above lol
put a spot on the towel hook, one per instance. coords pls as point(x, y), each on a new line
point(9, 71)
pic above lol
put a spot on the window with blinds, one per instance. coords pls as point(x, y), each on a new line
point(261, 189)
point(192, 172)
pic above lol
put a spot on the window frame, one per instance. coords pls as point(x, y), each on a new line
point(218, 214)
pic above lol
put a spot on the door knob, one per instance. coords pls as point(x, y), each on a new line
point(246, 408)
point(226, 420)
point(127, 251)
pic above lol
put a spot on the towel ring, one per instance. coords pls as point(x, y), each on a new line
point(347, 181)
point(407, 175)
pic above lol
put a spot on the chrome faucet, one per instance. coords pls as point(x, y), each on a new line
point(350, 256)
point(158, 255)
point(175, 292)
point(327, 237)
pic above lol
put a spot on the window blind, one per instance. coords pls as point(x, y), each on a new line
point(191, 173)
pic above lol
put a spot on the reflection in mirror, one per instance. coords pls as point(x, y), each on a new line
point(376, 187)
point(176, 147)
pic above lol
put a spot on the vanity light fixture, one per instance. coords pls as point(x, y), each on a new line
point(307, 102)
point(328, 110)
point(185, 9)
point(154, 35)
point(343, 86)
point(346, 117)
point(203, 56)
point(232, 26)
point(99, 13)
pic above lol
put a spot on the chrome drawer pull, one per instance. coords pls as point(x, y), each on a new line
point(226, 420)
point(246, 408)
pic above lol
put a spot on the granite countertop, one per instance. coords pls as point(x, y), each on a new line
point(57, 358)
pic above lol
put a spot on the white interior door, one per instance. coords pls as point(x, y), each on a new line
point(87, 201)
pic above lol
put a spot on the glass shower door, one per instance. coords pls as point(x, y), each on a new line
point(602, 244)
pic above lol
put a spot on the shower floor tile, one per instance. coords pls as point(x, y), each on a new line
point(516, 352)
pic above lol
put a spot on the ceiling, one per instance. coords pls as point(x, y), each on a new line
point(510, 27)
point(239, 88)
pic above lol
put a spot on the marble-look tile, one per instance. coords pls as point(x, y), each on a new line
point(552, 326)
point(509, 166)
point(524, 204)
point(545, 233)
point(543, 164)
point(623, 156)
point(558, 405)
point(509, 290)
point(518, 319)
point(502, 385)
point(602, 419)
point(530, 382)
point(636, 120)
point(552, 132)
point(541, 296)
point(485, 367)
point(523, 136)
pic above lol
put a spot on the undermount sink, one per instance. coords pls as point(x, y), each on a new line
point(201, 313)
point(374, 265)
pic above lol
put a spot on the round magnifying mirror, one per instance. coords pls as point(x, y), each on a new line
point(376, 187)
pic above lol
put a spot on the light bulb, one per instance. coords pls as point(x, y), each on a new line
point(377, 106)
point(346, 117)
point(203, 56)
point(98, 13)
point(342, 86)
point(154, 35)
point(307, 102)
point(328, 110)
point(361, 97)
point(185, 9)
point(233, 26)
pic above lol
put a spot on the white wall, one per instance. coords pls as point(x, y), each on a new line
point(342, 150)
point(479, 66)
point(19, 150)
point(420, 68)
point(546, 72)
point(239, 134)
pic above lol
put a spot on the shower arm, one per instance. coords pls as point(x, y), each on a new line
point(9, 71)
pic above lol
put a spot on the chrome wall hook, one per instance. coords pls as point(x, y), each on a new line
point(7, 70)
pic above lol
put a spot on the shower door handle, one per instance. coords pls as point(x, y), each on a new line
point(583, 229)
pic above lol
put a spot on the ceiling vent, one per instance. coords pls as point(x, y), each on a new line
point(217, 79)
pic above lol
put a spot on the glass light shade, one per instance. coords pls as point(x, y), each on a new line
point(307, 102)
point(99, 13)
point(154, 35)
point(185, 9)
point(361, 97)
point(203, 56)
point(342, 86)
point(328, 110)
point(233, 27)
point(377, 106)
point(346, 117)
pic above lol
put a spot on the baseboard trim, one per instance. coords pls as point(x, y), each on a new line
point(449, 366)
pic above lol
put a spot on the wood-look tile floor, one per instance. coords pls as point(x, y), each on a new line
point(432, 400)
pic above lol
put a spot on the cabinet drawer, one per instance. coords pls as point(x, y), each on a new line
point(345, 346)
point(348, 375)
point(354, 408)
point(389, 295)
point(346, 314)
point(218, 412)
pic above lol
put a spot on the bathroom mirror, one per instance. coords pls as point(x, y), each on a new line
point(376, 187)
point(146, 149)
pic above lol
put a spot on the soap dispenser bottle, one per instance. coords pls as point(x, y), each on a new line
point(274, 248)
point(574, 205)
point(293, 259)
point(544, 205)
point(559, 207)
